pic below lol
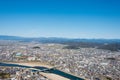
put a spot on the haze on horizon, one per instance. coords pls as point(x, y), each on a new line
point(60, 18)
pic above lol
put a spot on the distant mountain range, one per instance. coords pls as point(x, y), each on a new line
point(109, 44)
point(5, 37)
point(56, 40)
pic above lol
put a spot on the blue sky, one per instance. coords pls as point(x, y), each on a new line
point(60, 18)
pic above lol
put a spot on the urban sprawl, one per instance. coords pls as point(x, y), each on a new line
point(88, 63)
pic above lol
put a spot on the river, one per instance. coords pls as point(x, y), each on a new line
point(54, 71)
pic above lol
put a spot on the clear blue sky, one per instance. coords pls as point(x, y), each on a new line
point(60, 18)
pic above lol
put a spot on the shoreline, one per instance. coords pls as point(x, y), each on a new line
point(32, 64)
point(50, 76)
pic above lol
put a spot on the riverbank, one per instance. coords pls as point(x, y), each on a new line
point(50, 76)
point(32, 64)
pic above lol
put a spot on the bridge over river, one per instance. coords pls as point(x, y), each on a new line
point(47, 71)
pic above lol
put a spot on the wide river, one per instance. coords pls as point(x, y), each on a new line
point(54, 71)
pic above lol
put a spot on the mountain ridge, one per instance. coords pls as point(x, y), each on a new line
point(55, 39)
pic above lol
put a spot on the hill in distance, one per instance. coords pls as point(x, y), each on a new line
point(55, 39)
point(109, 44)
